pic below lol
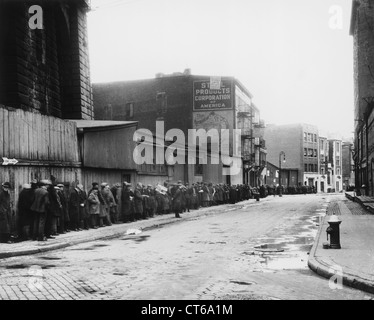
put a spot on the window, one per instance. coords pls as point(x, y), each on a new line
point(305, 152)
point(315, 153)
point(199, 169)
point(129, 110)
point(315, 167)
point(337, 147)
point(306, 167)
point(310, 152)
point(309, 137)
point(322, 170)
point(321, 145)
point(162, 103)
point(305, 136)
point(315, 137)
point(338, 162)
point(338, 171)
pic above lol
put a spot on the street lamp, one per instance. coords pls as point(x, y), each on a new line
point(280, 170)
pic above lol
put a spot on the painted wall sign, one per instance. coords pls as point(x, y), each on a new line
point(207, 98)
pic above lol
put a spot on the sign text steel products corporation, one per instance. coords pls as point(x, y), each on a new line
point(205, 98)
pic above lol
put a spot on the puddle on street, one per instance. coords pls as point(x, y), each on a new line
point(290, 250)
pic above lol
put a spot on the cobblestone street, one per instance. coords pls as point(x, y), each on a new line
point(256, 250)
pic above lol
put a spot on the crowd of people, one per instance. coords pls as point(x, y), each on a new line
point(46, 210)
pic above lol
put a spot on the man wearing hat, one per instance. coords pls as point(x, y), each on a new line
point(177, 200)
point(126, 202)
point(105, 208)
point(25, 200)
point(5, 213)
point(115, 189)
point(138, 201)
point(39, 208)
point(75, 211)
point(63, 219)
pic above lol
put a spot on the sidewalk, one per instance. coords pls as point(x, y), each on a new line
point(110, 232)
point(355, 259)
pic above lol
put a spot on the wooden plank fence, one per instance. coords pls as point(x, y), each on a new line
point(44, 147)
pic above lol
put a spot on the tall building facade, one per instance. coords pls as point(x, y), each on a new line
point(190, 102)
point(362, 29)
point(335, 166)
point(44, 80)
point(299, 142)
point(348, 165)
point(45, 68)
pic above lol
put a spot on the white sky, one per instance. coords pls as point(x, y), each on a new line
point(285, 52)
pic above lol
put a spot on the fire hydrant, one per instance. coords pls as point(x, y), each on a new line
point(333, 231)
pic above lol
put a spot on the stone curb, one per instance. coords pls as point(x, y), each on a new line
point(327, 271)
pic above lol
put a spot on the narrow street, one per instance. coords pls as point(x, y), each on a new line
point(248, 251)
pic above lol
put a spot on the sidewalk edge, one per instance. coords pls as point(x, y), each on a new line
point(327, 271)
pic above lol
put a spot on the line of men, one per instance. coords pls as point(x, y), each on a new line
point(46, 210)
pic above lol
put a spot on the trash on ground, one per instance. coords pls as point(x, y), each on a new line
point(133, 231)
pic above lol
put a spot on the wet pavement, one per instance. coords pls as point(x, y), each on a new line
point(253, 250)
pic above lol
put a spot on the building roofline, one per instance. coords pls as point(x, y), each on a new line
point(100, 125)
point(355, 5)
point(168, 76)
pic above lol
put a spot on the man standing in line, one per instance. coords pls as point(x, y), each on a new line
point(39, 208)
point(138, 201)
point(126, 199)
point(74, 210)
point(25, 200)
point(5, 213)
point(177, 200)
point(64, 213)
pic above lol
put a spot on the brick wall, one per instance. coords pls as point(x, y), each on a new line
point(110, 100)
point(45, 70)
point(363, 31)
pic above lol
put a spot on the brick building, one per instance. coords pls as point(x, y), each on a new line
point(362, 30)
point(348, 165)
point(45, 70)
point(44, 83)
point(186, 101)
point(299, 142)
point(335, 164)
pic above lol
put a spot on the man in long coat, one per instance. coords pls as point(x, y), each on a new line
point(25, 200)
point(62, 225)
point(40, 210)
point(177, 201)
point(126, 200)
point(5, 213)
point(138, 201)
point(74, 209)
